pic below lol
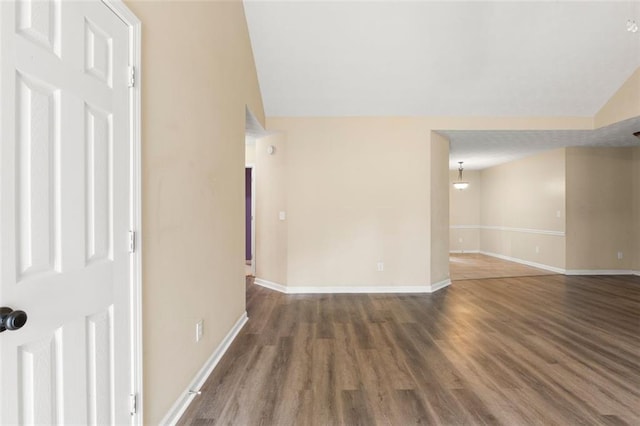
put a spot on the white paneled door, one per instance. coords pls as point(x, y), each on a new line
point(65, 213)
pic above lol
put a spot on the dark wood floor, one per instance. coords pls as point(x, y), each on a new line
point(545, 350)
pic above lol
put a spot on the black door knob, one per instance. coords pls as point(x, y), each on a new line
point(11, 320)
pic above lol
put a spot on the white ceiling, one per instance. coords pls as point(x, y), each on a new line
point(407, 58)
point(481, 149)
point(413, 58)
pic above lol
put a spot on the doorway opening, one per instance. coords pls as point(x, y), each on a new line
point(253, 131)
point(249, 221)
point(481, 245)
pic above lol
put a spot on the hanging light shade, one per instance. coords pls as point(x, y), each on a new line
point(460, 184)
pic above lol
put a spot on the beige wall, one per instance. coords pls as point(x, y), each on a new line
point(636, 208)
point(464, 211)
point(439, 201)
point(358, 193)
point(271, 199)
point(356, 196)
point(624, 104)
point(250, 152)
point(528, 195)
point(599, 208)
point(197, 75)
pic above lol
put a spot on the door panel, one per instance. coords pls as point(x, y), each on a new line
point(99, 209)
point(37, 133)
point(100, 378)
point(39, 380)
point(39, 22)
point(65, 213)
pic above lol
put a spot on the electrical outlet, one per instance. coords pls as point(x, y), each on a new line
point(460, 240)
point(558, 214)
point(537, 249)
point(380, 266)
point(199, 330)
point(620, 255)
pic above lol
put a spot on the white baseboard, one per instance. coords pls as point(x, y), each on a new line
point(181, 404)
point(564, 271)
point(464, 251)
point(601, 272)
point(526, 262)
point(351, 289)
point(270, 285)
point(359, 289)
point(439, 285)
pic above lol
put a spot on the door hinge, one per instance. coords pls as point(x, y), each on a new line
point(132, 76)
point(133, 403)
point(132, 241)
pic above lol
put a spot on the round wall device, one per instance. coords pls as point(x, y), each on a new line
point(271, 149)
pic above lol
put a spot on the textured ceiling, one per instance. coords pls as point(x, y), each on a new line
point(482, 149)
point(399, 58)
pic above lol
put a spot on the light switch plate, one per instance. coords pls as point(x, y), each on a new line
point(199, 330)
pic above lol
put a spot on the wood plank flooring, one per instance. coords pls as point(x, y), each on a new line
point(539, 350)
point(467, 266)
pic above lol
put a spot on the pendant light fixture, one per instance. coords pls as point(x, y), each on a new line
point(460, 184)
